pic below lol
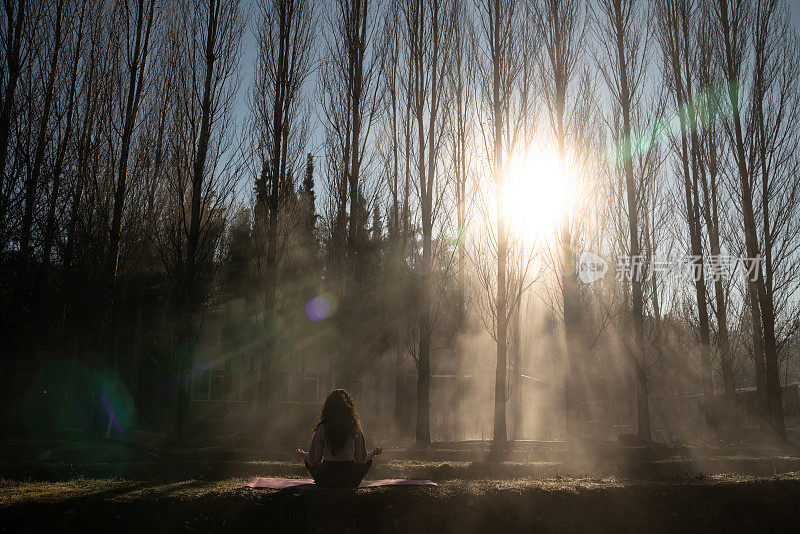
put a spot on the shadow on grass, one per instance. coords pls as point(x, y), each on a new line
point(456, 506)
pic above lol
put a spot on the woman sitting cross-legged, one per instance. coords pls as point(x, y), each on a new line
point(338, 457)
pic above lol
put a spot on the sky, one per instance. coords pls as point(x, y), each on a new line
point(248, 59)
point(795, 5)
point(247, 67)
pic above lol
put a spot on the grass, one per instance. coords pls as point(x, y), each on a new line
point(718, 502)
point(67, 486)
point(112, 490)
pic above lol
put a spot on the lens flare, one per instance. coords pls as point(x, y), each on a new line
point(321, 307)
point(112, 417)
point(117, 403)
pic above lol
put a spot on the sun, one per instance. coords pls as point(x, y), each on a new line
point(536, 196)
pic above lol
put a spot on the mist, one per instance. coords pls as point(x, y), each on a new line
point(573, 230)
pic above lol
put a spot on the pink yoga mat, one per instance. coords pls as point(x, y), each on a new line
point(283, 483)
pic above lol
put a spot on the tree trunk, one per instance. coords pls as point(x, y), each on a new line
point(517, 384)
point(135, 86)
point(637, 299)
point(693, 200)
point(192, 293)
point(32, 181)
point(711, 215)
point(760, 299)
point(773, 386)
point(423, 434)
point(499, 436)
point(50, 228)
point(14, 43)
point(359, 28)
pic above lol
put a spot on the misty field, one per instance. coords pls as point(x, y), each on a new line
point(545, 253)
point(116, 486)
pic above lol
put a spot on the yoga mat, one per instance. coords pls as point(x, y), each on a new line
point(283, 483)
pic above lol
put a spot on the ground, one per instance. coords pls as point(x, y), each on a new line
point(67, 485)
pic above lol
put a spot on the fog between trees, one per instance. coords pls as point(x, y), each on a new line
point(404, 188)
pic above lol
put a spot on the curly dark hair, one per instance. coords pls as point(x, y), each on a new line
point(340, 419)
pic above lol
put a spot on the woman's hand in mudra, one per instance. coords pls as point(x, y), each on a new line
point(377, 451)
point(299, 452)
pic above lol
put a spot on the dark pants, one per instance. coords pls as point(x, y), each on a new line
point(339, 474)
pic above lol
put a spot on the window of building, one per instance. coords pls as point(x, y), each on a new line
point(201, 385)
point(216, 335)
point(216, 390)
point(311, 387)
point(305, 387)
point(236, 384)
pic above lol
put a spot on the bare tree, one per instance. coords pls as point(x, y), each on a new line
point(394, 167)
point(14, 59)
point(91, 110)
point(66, 135)
point(349, 89)
point(429, 30)
point(622, 28)
point(563, 26)
point(773, 116)
point(201, 181)
point(139, 20)
point(461, 73)
point(677, 47)
point(31, 185)
point(709, 106)
point(502, 257)
point(285, 35)
point(498, 25)
point(732, 24)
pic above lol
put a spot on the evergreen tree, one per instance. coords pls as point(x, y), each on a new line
point(377, 225)
point(308, 196)
point(361, 233)
point(237, 261)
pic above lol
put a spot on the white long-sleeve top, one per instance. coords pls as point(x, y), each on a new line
point(354, 448)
